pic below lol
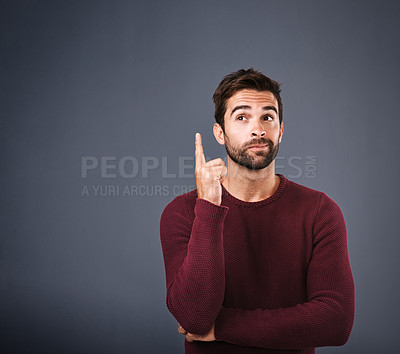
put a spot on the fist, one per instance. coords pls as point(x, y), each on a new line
point(209, 175)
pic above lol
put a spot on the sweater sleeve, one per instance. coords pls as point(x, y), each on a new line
point(194, 262)
point(325, 319)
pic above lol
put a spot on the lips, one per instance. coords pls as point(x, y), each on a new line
point(258, 147)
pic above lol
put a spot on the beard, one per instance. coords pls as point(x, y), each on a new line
point(255, 160)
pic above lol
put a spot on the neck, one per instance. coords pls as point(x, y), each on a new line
point(251, 185)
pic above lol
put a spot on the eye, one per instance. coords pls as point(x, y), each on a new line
point(268, 118)
point(241, 117)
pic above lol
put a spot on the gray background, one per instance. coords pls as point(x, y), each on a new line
point(133, 80)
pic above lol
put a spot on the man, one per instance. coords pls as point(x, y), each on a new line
point(255, 263)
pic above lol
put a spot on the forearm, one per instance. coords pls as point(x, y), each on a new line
point(320, 322)
point(195, 287)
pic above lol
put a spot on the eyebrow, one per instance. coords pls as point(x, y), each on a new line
point(245, 107)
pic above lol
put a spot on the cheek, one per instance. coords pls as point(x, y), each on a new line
point(238, 132)
point(233, 139)
point(276, 131)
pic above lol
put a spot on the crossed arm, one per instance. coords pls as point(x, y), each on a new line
point(194, 261)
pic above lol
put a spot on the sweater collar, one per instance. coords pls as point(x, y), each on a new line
point(269, 200)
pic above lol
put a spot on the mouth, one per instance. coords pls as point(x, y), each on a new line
point(258, 147)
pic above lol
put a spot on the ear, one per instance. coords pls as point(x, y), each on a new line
point(219, 134)
point(281, 133)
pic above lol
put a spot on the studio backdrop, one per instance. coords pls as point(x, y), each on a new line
point(100, 101)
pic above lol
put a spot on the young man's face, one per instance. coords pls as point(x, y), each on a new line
point(252, 128)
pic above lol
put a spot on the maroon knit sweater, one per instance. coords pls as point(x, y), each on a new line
point(273, 275)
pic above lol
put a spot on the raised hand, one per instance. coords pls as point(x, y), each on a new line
point(209, 175)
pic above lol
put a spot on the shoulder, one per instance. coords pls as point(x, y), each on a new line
point(181, 207)
point(299, 191)
point(182, 202)
point(315, 201)
point(327, 218)
point(303, 194)
point(303, 199)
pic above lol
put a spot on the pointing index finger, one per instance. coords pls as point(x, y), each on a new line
point(198, 152)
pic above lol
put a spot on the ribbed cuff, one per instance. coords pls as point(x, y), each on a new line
point(210, 212)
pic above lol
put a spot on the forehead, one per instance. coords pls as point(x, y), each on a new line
point(252, 98)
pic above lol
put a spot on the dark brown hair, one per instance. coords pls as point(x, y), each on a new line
point(240, 80)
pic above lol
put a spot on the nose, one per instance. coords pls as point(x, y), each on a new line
point(258, 129)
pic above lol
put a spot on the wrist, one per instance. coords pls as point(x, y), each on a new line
point(211, 200)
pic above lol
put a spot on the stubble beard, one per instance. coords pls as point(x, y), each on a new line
point(256, 160)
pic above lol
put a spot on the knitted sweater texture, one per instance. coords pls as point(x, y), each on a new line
point(274, 275)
